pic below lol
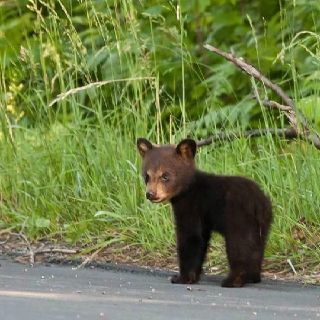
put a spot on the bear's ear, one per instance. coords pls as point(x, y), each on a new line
point(143, 146)
point(187, 148)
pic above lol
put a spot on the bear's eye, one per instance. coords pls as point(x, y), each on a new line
point(165, 177)
point(146, 178)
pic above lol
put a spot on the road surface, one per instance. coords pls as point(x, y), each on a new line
point(64, 292)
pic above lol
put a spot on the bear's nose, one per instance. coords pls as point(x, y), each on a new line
point(150, 195)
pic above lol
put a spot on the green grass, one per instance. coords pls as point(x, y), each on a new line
point(82, 183)
point(71, 171)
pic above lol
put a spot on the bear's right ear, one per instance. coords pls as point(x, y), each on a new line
point(143, 146)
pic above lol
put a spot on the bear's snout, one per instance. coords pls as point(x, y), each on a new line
point(151, 196)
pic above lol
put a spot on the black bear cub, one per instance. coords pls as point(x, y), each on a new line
point(233, 206)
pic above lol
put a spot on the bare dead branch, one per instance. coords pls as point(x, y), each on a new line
point(252, 71)
point(290, 112)
point(287, 133)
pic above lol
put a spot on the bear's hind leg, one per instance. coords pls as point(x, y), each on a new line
point(236, 277)
point(242, 272)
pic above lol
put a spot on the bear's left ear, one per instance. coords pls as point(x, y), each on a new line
point(143, 146)
point(187, 148)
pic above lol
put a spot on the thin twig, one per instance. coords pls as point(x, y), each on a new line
point(97, 84)
point(291, 266)
point(287, 110)
point(307, 134)
point(90, 258)
point(288, 133)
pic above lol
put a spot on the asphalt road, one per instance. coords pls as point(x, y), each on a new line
point(63, 292)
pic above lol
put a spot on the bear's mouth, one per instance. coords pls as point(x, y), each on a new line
point(159, 200)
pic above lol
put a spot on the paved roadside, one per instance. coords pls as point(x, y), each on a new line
point(63, 292)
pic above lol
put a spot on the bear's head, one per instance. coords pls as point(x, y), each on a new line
point(167, 169)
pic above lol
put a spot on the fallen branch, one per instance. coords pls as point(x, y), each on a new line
point(288, 133)
point(56, 250)
point(290, 112)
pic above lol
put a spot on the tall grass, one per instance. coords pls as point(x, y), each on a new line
point(73, 173)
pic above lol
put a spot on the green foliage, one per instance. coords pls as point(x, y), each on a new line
point(69, 170)
point(52, 46)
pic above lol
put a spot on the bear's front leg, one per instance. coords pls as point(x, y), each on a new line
point(188, 279)
point(190, 254)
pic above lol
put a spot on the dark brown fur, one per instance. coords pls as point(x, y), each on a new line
point(233, 206)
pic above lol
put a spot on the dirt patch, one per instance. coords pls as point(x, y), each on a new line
point(23, 251)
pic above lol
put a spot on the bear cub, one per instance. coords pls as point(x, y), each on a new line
point(202, 203)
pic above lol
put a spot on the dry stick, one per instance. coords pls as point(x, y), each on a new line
point(252, 71)
point(275, 105)
point(288, 133)
point(5, 241)
point(24, 238)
